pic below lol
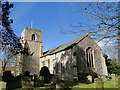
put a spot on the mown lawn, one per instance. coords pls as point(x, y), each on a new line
point(75, 84)
point(72, 84)
point(107, 84)
point(2, 85)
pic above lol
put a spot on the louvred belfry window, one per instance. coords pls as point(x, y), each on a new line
point(33, 37)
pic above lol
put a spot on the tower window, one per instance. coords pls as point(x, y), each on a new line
point(33, 37)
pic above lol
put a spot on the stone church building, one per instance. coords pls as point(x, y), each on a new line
point(69, 61)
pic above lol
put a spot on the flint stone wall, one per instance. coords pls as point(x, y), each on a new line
point(71, 62)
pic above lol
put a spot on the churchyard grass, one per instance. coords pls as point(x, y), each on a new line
point(107, 84)
point(76, 84)
point(73, 84)
point(2, 85)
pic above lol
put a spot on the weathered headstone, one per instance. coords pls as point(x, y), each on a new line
point(103, 77)
point(113, 81)
point(98, 83)
point(54, 79)
point(89, 79)
point(26, 83)
point(39, 81)
point(60, 85)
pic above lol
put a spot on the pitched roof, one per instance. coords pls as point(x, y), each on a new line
point(64, 46)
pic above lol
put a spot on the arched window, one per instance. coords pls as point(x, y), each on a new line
point(89, 57)
point(33, 37)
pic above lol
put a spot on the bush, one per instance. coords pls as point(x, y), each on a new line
point(7, 76)
point(46, 74)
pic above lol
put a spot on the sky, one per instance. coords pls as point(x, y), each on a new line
point(51, 17)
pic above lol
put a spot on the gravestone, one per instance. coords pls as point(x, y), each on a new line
point(26, 83)
point(113, 81)
point(103, 77)
point(39, 81)
point(54, 79)
point(60, 85)
point(98, 83)
point(89, 79)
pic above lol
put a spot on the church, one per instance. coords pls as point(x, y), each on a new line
point(70, 61)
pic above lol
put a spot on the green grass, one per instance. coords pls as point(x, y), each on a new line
point(71, 84)
point(2, 85)
point(109, 85)
point(46, 86)
point(83, 85)
point(75, 84)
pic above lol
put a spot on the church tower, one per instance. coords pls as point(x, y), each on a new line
point(31, 40)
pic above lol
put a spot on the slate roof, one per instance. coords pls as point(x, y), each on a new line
point(64, 46)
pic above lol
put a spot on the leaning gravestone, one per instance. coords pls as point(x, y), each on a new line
point(54, 79)
point(113, 81)
point(98, 83)
point(89, 79)
point(39, 81)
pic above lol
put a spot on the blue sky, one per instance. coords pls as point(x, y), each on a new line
point(46, 16)
point(49, 17)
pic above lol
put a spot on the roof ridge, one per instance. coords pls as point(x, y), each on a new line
point(75, 39)
point(53, 49)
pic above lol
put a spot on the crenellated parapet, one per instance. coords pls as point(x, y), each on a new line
point(26, 28)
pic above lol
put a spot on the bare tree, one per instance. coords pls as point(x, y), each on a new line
point(111, 51)
point(101, 22)
point(8, 58)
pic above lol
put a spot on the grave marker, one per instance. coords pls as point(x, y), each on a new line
point(54, 79)
point(89, 79)
point(113, 81)
point(98, 83)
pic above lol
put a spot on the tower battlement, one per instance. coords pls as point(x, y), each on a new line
point(26, 28)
